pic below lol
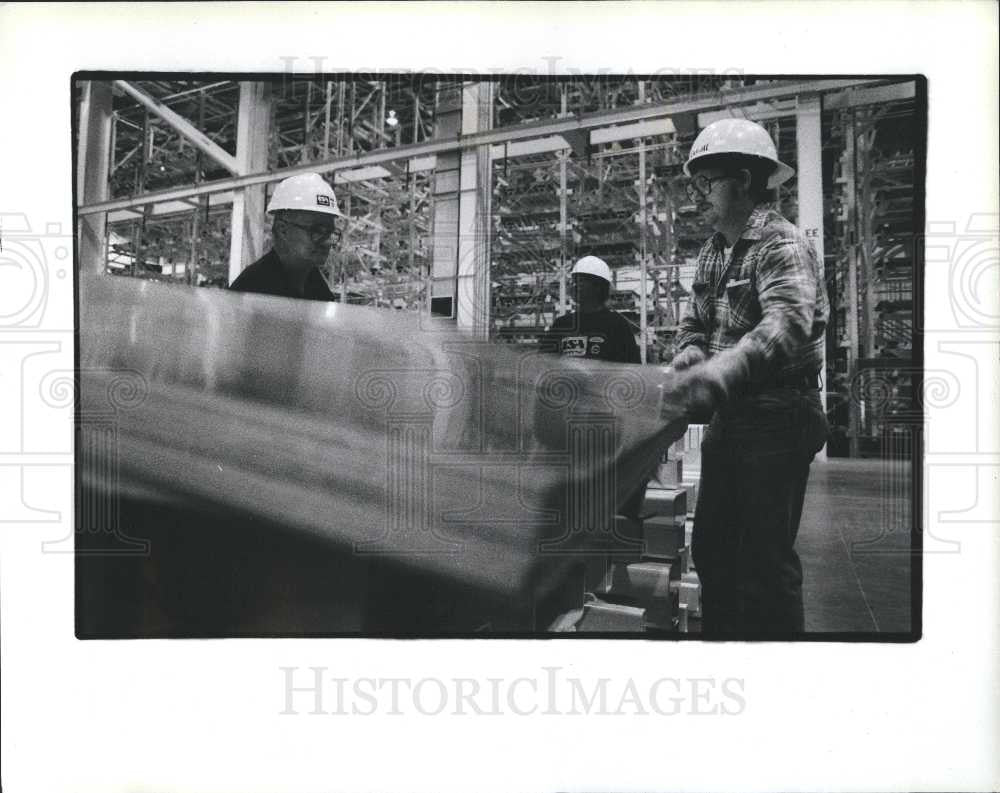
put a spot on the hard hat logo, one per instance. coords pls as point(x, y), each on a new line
point(739, 136)
point(323, 200)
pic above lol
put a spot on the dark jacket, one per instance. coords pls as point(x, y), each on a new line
point(603, 334)
point(265, 276)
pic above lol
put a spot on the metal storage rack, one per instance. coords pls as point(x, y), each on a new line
point(872, 301)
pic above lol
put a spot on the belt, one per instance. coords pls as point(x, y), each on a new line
point(801, 382)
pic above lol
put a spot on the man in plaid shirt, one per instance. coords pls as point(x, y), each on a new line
point(751, 342)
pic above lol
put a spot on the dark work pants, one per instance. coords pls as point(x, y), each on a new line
point(754, 467)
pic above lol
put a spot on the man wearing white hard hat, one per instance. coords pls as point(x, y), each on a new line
point(750, 350)
point(304, 213)
point(593, 330)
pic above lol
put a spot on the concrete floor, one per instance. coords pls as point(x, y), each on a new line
point(854, 542)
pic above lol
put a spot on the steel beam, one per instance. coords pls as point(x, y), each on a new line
point(758, 112)
point(187, 91)
point(872, 96)
point(640, 129)
point(169, 208)
point(539, 129)
point(363, 174)
point(246, 242)
point(526, 148)
point(188, 130)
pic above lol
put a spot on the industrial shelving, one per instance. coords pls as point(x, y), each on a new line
point(609, 202)
point(384, 258)
point(872, 211)
point(615, 190)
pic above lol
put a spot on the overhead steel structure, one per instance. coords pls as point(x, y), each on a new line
point(471, 199)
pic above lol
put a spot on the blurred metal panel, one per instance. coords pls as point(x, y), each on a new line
point(406, 457)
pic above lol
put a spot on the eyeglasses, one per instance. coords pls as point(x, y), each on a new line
point(700, 186)
point(318, 233)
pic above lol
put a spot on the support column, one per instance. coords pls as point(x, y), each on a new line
point(473, 310)
point(643, 281)
point(563, 208)
point(564, 266)
point(444, 258)
point(866, 210)
point(252, 132)
point(850, 193)
point(810, 193)
point(93, 160)
point(460, 271)
point(326, 119)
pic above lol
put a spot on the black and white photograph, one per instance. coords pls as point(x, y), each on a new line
point(538, 396)
point(499, 355)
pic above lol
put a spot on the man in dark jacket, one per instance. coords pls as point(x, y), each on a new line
point(304, 211)
point(593, 330)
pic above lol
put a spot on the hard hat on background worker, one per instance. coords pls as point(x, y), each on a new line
point(308, 192)
point(738, 136)
point(591, 265)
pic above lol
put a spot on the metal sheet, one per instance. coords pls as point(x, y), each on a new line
point(383, 435)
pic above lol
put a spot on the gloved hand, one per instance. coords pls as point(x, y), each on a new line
point(687, 358)
point(701, 390)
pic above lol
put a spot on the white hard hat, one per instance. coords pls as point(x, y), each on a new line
point(308, 192)
point(738, 136)
point(591, 265)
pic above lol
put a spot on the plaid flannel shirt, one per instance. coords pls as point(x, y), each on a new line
point(764, 312)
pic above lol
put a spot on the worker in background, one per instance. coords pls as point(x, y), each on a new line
point(593, 330)
point(304, 215)
point(751, 346)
